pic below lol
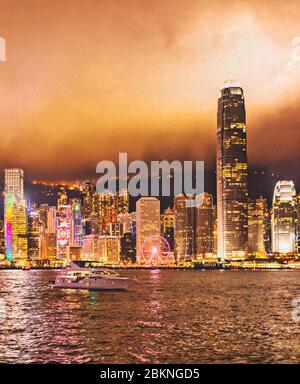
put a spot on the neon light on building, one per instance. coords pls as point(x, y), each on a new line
point(8, 228)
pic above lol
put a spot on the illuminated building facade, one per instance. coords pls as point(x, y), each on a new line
point(48, 246)
point(116, 229)
point(262, 207)
point(255, 231)
point(125, 220)
point(74, 253)
point(77, 226)
point(205, 226)
point(62, 197)
point(128, 248)
point(167, 226)
point(185, 239)
point(63, 230)
point(2, 238)
point(51, 220)
point(190, 230)
point(109, 249)
point(89, 197)
point(43, 212)
point(91, 225)
point(15, 215)
point(258, 227)
point(47, 232)
point(107, 211)
point(232, 185)
point(147, 223)
point(34, 235)
point(122, 201)
point(179, 227)
point(284, 218)
point(90, 248)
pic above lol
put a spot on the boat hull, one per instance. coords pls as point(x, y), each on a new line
point(121, 284)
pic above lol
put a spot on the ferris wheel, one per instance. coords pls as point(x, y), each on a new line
point(155, 250)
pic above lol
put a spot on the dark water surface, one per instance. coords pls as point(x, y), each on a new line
point(170, 317)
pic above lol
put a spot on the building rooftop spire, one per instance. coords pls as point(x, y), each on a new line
point(231, 83)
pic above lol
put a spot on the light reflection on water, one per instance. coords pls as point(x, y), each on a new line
point(169, 317)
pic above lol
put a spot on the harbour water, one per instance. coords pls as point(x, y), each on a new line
point(170, 316)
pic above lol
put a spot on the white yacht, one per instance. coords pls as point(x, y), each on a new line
point(75, 277)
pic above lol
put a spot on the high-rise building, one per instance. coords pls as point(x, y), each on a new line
point(258, 227)
point(262, 207)
point(2, 238)
point(128, 248)
point(91, 225)
point(122, 201)
point(89, 197)
point(51, 220)
point(116, 229)
point(232, 186)
point(284, 218)
point(48, 245)
point(179, 227)
point(125, 220)
point(205, 226)
point(190, 229)
point(109, 249)
point(14, 182)
point(147, 223)
point(185, 239)
point(63, 230)
point(15, 217)
point(34, 235)
point(255, 231)
point(167, 226)
point(43, 213)
point(62, 198)
point(90, 248)
point(77, 226)
point(107, 211)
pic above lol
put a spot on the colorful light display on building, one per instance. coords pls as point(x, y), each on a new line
point(8, 226)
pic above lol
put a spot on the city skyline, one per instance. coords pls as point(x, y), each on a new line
point(149, 186)
point(163, 83)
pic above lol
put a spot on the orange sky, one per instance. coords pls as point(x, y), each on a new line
point(85, 80)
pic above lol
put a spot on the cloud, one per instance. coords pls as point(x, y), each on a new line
point(87, 80)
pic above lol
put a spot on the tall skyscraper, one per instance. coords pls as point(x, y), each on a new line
point(89, 198)
point(77, 226)
point(122, 201)
point(167, 226)
point(15, 219)
point(109, 249)
point(125, 220)
point(232, 186)
point(128, 248)
point(284, 218)
point(34, 234)
point(258, 227)
point(51, 220)
point(147, 223)
point(107, 211)
point(185, 239)
point(262, 207)
point(179, 225)
point(205, 226)
point(255, 230)
point(63, 230)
